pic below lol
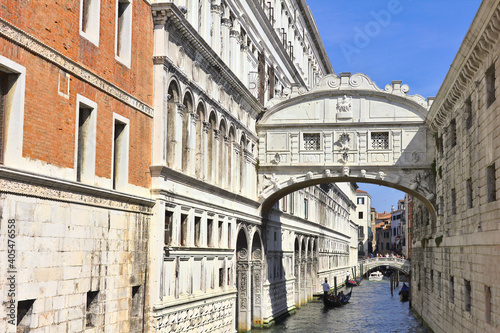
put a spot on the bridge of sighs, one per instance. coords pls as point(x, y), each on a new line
point(346, 129)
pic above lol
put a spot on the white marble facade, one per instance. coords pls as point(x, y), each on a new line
point(218, 263)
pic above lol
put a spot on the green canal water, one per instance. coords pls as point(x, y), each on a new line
point(372, 309)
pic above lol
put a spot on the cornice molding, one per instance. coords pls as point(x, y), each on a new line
point(30, 43)
point(479, 42)
point(24, 183)
point(177, 19)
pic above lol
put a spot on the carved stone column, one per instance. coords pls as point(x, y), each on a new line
point(226, 168)
point(257, 292)
point(216, 13)
point(243, 285)
point(236, 185)
point(204, 150)
point(215, 168)
point(191, 142)
point(176, 142)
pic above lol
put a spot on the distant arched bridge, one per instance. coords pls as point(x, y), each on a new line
point(402, 265)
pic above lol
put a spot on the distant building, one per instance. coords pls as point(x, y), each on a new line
point(363, 220)
point(383, 233)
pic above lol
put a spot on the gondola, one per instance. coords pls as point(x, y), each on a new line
point(353, 283)
point(332, 301)
point(404, 293)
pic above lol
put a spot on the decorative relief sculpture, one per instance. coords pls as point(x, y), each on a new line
point(345, 171)
point(344, 142)
point(273, 180)
point(345, 104)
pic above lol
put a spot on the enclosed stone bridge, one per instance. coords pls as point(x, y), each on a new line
point(346, 129)
point(367, 265)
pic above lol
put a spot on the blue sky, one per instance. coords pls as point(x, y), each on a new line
point(414, 41)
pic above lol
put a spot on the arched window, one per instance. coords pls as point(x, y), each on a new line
point(173, 92)
point(186, 149)
point(199, 153)
point(211, 148)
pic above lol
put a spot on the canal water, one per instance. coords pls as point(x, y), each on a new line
point(371, 309)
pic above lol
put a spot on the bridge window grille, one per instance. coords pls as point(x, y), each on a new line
point(380, 140)
point(311, 141)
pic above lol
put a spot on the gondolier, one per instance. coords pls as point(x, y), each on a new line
point(326, 288)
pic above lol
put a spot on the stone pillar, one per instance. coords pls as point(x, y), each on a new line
point(235, 41)
point(191, 142)
point(177, 136)
point(236, 168)
point(226, 172)
point(216, 12)
point(160, 99)
point(206, 20)
point(216, 159)
point(244, 63)
point(297, 282)
point(257, 293)
point(204, 151)
point(243, 285)
point(225, 43)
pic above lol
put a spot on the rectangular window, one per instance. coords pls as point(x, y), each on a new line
point(168, 227)
point(452, 289)
point(468, 113)
point(439, 284)
point(490, 85)
point(311, 141)
point(468, 192)
point(491, 183)
point(487, 303)
point(210, 225)
point(136, 309)
point(432, 280)
point(24, 311)
point(467, 294)
point(120, 153)
point(85, 140)
point(440, 145)
point(453, 133)
point(197, 231)
point(360, 215)
point(12, 93)
point(361, 201)
point(453, 201)
point(124, 31)
point(184, 229)
point(221, 277)
point(380, 140)
point(89, 20)
point(92, 308)
point(221, 227)
point(229, 235)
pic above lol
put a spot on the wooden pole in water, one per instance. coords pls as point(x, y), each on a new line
point(392, 280)
point(398, 280)
point(335, 284)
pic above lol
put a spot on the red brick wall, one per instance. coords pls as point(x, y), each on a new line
point(56, 24)
point(49, 118)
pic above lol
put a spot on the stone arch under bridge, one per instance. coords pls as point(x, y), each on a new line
point(346, 129)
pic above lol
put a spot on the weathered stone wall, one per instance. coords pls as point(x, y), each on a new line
point(455, 257)
point(79, 264)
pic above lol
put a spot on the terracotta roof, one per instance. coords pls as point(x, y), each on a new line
point(360, 191)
